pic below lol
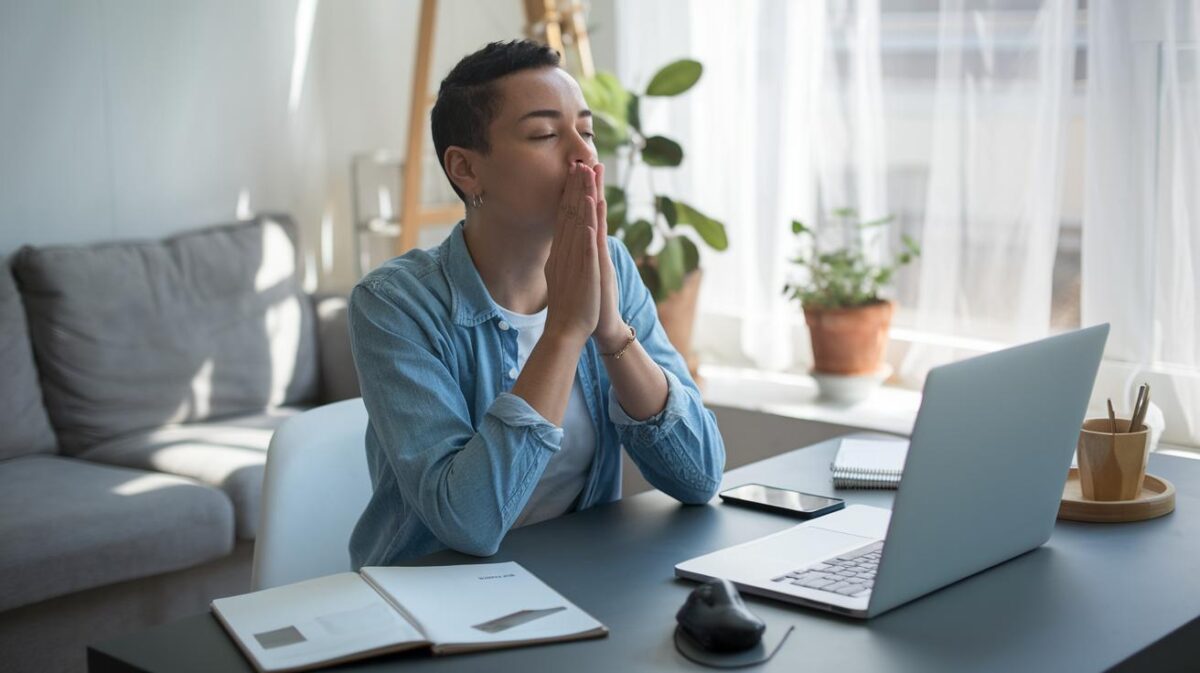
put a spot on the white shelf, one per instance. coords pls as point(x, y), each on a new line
point(888, 409)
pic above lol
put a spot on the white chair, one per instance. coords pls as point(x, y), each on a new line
point(316, 486)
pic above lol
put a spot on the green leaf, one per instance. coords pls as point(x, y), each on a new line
point(712, 231)
point(616, 219)
point(877, 223)
point(638, 237)
point(660, 151)
point(609, 102)
point(844, 277)
point(633, 113)
point(670, 266)
point(604, 93)
point(675, 78)
point(650, 279)
point(667, 207)
point(691, 255)
point(595, 94)
point(609, 135)
point(618, 96)
point(617, 208)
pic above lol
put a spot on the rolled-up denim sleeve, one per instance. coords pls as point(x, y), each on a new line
point(467, 484)
point(679, 450)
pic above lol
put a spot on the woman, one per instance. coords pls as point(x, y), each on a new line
point(503, 370)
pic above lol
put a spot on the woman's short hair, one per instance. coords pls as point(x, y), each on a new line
point(468, 100)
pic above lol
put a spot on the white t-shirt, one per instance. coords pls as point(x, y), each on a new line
point(567, 472)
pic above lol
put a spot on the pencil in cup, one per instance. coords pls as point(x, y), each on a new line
point(1112, 465)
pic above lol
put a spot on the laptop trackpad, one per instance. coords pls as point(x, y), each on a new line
point(767, 557)
point(808, 544)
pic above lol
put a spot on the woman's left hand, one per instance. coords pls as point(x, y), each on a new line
point(611, 332)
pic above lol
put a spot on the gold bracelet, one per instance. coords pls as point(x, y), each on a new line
point(632, 338)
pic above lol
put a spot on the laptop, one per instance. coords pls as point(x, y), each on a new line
point(985, 471)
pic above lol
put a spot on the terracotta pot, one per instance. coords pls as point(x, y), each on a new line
point(677, 313)
point(849, 340)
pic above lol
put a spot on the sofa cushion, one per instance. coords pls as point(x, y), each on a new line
point(228, 453)
point(22, 416)
point(133, 336)
point(69, 525)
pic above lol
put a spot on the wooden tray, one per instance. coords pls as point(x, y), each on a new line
point(1157, 498)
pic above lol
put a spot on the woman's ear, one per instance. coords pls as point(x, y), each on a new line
point(462, 167)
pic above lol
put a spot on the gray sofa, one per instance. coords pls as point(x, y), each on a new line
point(139, 386)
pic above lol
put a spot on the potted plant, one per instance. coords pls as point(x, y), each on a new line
point(659, 232)
point(840, 292)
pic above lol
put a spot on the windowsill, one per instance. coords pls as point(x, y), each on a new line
point(888, 409)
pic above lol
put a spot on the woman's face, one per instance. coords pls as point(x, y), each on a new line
point(543, 126)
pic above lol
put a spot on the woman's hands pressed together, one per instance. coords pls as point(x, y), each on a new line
point(611, 332)
point(583, 302)
point(572, 268)
point(582, 293)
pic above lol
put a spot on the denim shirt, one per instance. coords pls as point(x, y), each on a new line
point(453, 455)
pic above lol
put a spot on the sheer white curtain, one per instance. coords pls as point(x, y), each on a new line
point(992, 210)
point(786, 122)
point(1141, 243)
point(789, 122)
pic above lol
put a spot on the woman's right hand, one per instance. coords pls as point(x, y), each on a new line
point(573, 268)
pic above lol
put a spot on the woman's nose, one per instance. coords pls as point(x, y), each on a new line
point(582, 151)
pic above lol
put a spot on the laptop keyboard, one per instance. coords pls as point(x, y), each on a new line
point(849, 574)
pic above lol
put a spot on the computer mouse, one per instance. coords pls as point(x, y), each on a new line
point(715, 617)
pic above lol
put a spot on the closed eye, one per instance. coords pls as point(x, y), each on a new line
point(586, 134)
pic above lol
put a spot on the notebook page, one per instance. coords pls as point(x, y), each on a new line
point(871, 456)
point(487, 604)
point(313, 622)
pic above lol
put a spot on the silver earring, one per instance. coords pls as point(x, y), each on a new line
point(477, 200)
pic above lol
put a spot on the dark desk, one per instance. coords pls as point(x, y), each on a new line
point(1096, 596)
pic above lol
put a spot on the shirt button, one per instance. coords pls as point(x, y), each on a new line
point(503, 326)
point(512, 373)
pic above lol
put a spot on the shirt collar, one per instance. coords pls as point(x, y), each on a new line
point(470, 300)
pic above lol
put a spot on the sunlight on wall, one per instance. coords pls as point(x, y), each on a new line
point(327, 241)
point(242, 211)
point(306, 14)
point(310, 272)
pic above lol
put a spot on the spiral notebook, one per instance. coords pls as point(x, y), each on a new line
point(869, 463)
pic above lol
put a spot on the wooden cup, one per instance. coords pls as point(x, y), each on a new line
point(1111, 467)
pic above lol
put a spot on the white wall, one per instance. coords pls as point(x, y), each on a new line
point(135, 119)
point(130, 119)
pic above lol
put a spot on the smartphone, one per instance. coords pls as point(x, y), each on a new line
point(782, 500)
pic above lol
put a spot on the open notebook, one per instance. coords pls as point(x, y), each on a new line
point(449, 609)
point(869, 463)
